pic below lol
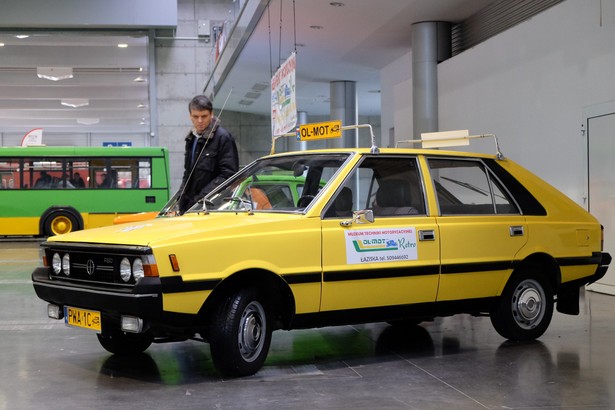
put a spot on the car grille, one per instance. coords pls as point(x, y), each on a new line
point(94, 264)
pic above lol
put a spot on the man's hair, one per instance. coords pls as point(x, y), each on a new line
point(200, 103)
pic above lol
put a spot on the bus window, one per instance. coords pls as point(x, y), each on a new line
point(145, 175)
point(79, 173)
point(129, 173)
point(48, 174)
point(10, 174)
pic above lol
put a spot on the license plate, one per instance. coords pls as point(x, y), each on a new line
point(87, 319)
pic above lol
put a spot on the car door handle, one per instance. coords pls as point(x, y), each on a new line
point(516, 230)
point(427, 235)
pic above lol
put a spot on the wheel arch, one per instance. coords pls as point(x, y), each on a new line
point(276, 290)
point(53, 210)
point(546, 264)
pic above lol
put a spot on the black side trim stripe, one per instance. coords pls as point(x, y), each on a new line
point(175, 284)
point(476, 267)
point(298, 278)
point(382, 273)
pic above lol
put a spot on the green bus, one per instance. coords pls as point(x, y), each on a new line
point(47, 191)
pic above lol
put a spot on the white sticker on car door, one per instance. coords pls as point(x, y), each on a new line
point(381, 245)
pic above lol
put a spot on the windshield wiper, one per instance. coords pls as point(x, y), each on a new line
point(246, 204)
point(467, 185)
point(472, 187)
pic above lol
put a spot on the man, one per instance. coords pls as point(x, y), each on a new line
point(210, 156)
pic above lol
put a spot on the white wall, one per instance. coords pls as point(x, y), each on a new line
point(529, 86)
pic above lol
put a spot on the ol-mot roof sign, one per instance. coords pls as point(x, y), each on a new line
point(319, 130)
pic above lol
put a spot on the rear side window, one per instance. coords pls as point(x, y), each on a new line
point(467, 187)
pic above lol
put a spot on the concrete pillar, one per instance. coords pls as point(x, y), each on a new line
point(293, 144)
point(430, 44)
point(343, 106)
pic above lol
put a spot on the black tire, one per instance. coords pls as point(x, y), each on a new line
point(120, 343)
point(525, 308)
point(59, 223)
point(241, 334)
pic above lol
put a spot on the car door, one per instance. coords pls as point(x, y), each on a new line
point(481, 229)
point(392, 261)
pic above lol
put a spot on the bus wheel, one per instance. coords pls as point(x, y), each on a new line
point(59, 223)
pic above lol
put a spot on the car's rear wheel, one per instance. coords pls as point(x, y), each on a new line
point(525, 308)
point(241, 334)
point(118, 342)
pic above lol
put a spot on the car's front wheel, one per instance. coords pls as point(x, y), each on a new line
point(241, 334)
point(121, 343)
point(525, 308)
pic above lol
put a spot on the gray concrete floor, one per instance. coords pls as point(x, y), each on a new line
point(452, 363)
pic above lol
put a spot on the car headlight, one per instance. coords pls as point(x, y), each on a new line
point(125, 269)
point(137, 269)
point(66, 264)
point(56, 263)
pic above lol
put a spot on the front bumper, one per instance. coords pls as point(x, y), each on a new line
point(143, 300)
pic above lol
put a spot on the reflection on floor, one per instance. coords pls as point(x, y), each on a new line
point(458, 363)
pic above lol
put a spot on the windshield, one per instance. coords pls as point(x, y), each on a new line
point(286, 183)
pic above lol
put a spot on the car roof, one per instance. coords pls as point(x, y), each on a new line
point(388, 151)
point(431, 142)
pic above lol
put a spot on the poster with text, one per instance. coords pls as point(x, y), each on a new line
point(283, 101)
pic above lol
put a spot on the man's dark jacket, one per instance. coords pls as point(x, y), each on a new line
point(217, 162)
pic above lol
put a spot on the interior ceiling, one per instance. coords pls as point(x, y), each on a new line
point(351, 40)
point(347, 40)
point(113, 81)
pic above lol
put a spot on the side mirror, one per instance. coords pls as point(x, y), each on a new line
point(363, 216)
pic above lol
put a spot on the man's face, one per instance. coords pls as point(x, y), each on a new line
point(200, 119)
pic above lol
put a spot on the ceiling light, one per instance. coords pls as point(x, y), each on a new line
point(139, 79)
point(122, 45)
point(21, 36)
point(253, 95)
point(54, 73)
point(88, 121)
point(141, 106)
point(1, 44)
point(75, 102)
point(260, 86)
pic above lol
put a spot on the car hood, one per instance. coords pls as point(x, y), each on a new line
point(160, 230)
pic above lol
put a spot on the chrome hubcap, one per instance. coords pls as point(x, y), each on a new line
point(528, 304)
point(252, 331)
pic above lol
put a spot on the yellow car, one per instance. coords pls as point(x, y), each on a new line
point(398, 235)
